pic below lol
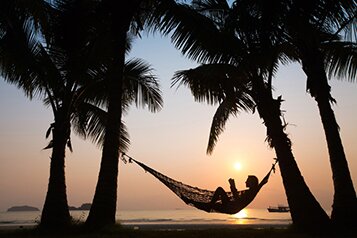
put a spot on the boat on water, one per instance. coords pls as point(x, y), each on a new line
point(279, 208)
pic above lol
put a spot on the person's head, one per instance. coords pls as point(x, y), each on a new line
point(252, 181)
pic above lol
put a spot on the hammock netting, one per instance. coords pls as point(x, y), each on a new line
point(192, 196)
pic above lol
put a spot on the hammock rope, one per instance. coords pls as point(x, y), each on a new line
point(201, 198)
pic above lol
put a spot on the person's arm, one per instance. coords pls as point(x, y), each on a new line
point(266, 178)
point(264, 181)
point(233, 188)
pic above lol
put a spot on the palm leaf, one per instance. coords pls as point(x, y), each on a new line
point(19, 48)
point(341, 59)
point(211, 82)
point(141, 86)
point(194, 34)
point(90, 121)
point(218, 84)
point(226, 108)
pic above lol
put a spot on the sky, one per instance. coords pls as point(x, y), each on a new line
point(173, 141)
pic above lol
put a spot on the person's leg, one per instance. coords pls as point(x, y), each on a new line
point(202, 206)
point(220, 194)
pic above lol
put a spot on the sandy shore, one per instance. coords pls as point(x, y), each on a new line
point(202, 226)
point(177, 226)
point(171, 231)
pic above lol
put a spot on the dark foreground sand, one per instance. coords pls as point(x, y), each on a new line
point(171, 231)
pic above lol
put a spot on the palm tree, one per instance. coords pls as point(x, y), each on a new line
point(140, 87)
point(319, 20)
point(116, 18)
point(292, 22)
point(34, 11)
point(116, 22)
point(66, 75)
point(27, 63)
point(244, 54)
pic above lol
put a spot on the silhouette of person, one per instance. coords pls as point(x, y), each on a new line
point(221, 196)
point(222, 203)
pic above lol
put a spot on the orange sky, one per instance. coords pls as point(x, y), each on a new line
point(174, 141)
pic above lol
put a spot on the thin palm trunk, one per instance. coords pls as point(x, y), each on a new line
point(345, 201)
point(103, 208)
point(104, 203)
point(306, 212)
point(55, 212)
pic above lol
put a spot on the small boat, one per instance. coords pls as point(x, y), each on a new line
point(279, 208)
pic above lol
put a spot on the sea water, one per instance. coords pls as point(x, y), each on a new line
point(156, 217)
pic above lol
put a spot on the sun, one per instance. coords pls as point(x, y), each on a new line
point(237, 166)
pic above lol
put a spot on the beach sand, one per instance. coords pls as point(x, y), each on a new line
point(170, 231)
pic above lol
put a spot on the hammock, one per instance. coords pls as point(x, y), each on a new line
point(201, 198)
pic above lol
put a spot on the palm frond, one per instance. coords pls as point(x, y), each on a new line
point(19, 49)
point(202, 89)
point(196, 35)
point(90, 121)
point(124, 138)
point(226, 108)
point(341, 59)
point(221, 84)
point(141, 86)
point(212, 82)
point(93, 92)
point(215, 9)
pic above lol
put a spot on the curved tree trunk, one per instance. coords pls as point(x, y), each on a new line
point(103, 208)
point(55, 212)
point(345, 201)
point(306, 212)
point(104, 203)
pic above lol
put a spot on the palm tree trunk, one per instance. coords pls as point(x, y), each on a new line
point(103, 208)
point(55, 212)
point(306, 212)
point(104, 203)
point(345, 201)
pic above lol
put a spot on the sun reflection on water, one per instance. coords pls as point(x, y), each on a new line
point(239, 218)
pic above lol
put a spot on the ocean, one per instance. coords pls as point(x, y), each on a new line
point(163, 217)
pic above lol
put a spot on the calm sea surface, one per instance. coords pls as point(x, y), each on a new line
point(157, 217)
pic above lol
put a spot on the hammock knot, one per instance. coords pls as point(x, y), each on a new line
point(123, 158)
point(273, 166)
point(129, 159)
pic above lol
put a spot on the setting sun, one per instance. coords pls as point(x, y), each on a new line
point(237, 166)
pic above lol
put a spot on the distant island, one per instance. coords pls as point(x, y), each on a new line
point(83, 207)
point(24, 208)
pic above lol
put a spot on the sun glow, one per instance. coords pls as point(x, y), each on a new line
point(237, 166)
point(240, 217)
point(242, 214)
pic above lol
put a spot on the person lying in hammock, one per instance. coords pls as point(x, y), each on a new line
point(209, 201)
point(221, 202)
